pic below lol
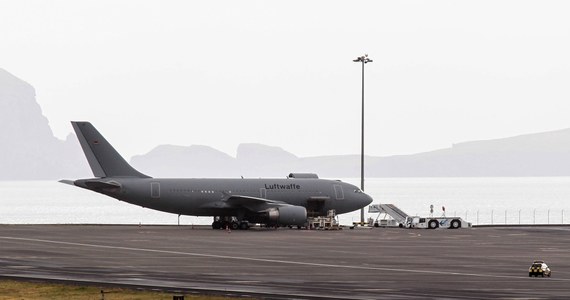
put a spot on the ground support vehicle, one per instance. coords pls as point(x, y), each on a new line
point(435, 222)
point(392, 215)
point(329, 222)
point(539, 268)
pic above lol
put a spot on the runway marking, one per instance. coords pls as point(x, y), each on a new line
point(285, 262)
point(21, 267)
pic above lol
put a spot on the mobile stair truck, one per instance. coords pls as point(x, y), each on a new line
point(403, 220)
point(393, 216)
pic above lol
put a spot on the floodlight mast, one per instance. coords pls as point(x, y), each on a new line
point(364, 60)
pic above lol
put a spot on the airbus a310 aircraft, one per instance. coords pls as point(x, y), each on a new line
point(233, 202)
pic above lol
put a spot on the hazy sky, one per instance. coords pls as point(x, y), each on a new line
point(220, 73)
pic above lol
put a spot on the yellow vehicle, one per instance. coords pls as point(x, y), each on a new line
point(539, 268)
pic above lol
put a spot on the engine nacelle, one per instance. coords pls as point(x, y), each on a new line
point(288, 215)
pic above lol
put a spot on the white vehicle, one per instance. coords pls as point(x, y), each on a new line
point(435, 222)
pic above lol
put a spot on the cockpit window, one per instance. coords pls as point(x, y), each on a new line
point(357, 191)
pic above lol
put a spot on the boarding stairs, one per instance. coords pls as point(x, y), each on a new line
point(389, 209)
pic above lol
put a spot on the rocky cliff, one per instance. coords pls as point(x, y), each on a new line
point(28, 148)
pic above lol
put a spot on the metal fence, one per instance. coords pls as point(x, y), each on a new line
point(513, 217)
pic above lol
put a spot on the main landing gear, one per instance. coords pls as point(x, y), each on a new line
point(229, 223)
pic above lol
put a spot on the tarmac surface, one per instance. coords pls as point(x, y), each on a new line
point(474, 263)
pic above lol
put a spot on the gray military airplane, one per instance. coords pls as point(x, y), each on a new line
point(233, 202)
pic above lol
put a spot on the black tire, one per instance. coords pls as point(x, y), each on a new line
point(529, 274)
point(216, 225)
point(234, 225)
point(243, 226)
point(433, 224)
point(455, 224)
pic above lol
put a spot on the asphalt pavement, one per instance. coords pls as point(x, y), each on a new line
point(375, 263)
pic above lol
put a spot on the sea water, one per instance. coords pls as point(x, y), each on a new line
point(536, 200)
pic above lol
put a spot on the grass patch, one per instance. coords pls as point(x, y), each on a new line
point(10, 290)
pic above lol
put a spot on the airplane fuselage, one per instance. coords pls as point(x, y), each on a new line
point(207, 197)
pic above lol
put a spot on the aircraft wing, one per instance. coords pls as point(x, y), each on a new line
point(253, 203)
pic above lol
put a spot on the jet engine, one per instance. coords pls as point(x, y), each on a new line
point(288, 215)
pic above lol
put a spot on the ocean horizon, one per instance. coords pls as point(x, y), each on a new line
point(479, 200)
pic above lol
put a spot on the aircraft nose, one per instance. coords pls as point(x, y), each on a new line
point(366, 200)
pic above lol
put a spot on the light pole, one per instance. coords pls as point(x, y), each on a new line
point(364, 60)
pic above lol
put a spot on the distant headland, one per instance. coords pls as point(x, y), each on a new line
point(30, 151)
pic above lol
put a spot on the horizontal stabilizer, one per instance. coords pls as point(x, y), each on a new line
point(99, 184)
point(94, 184)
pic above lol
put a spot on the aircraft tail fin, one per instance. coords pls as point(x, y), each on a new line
point(103, 159)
